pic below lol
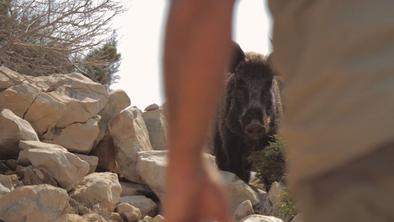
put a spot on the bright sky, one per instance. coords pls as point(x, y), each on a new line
point(141, 30)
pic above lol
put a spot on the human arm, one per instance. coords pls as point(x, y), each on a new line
point(197, 49)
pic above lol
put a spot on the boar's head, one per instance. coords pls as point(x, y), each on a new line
point(251, 99)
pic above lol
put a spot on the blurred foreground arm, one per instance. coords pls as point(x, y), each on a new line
point(197, 49)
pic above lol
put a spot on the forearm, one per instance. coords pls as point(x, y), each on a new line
point(197, 49)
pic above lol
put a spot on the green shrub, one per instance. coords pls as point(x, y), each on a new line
point(269, 163)
point(287, 209)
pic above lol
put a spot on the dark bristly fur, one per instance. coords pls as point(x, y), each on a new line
point(251, 104)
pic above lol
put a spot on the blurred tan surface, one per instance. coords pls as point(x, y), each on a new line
point(337, 60)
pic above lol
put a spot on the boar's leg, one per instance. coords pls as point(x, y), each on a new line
point(237, 155)
point(220, 153)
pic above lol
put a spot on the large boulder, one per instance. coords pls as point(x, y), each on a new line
point(101, 189)
point(51, 103)
point(12, 130)
point(33, 203)
point(130, 136)
point(238, 190)
point(45, 111)
point(83, 98)
point(91, 160)
point(67, 168)
point(77, 137)
point(151, 166)
point(25, 145)
point(261, 218)
point(243, 210)
point(9, 78)
point(118, 100)
point(155, 122)
point(18, 98)
point(147, 206)
point(152, 107)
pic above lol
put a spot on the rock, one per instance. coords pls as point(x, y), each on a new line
point(156, 125)
point(93, 217)
point(243, 210)
point(238, 190)
point(45, 111)
point(67, 168)
point(4, 168)
point(117, 101)
point(9, 181)
point(106, 153)
point(115, 217)
point(79, 208)
point(31, 175)
point(298, 218)
point(5, 82)
point(272, 204)
point(132, 189)
point(98, 188)
point(11, 164)
point(70, 218)
point(151, 166)
point(3, 190)
point(147, 219)
point(83, 98)
point(146, 205)
point(33, 203)
point(91, 160)
point(152, 107)
point(48, 101)
point(9, 78)
point(77, 137)
point(25, 145)
point(13, 129)
point(261, 218)
point(130, 136)
point(18, 98)
point(132, 213)
point(158, 218)
point(262, 199)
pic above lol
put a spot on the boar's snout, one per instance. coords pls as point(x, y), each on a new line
point(255, 129)
point(253, 123)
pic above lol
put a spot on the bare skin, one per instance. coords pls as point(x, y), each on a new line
point(197, 49)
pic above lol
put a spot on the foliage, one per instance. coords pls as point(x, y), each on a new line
point(43, 37)
point(269, 163)
point(101, 64)
point(287, 209)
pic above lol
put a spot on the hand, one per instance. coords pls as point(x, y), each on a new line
point(195, 195)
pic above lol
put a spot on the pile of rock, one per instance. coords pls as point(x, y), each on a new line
point(72, 151)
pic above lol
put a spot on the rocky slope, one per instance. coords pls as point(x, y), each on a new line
point(72, 151)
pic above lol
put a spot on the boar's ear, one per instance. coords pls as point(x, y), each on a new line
point(237, 56)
